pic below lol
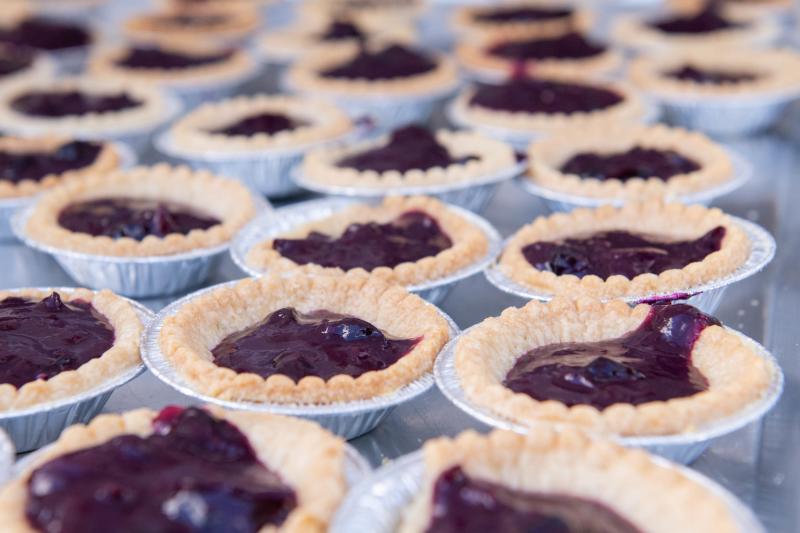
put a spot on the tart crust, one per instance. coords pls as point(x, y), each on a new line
point(239, 21)
point(154, 107)
point(188, 337)
point(674, 221)
point(377, 11)
point(547, 157)
point(305, 76)
point(494, 156)
point(469, 242)
point(737, 376)
point(107, 160)
point(308, 458)
point(567, 462)
point(322, 122)
point(777, 71)
point(121, 357)
point(227, 200)
point(464, 21)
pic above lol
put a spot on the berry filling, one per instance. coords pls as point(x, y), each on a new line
point(44, 34)
point(155, 58)
point(14, 60)
point(340, 30)
point(189, 20)
point(19, 166)
point(569, 46)
point(56, 104)
point(265, 123)
point(409, 148)
point(651, 363)
point(610, 253)
point(705, 21)
point(370, 245)
point(714, 77)
point(462, 504)
point(392, 62)
point(41, 339)
point(320, 343)
point(525, 95)
point(637, 162)
point(193, 474)
point(522, 14)
point(134, 218)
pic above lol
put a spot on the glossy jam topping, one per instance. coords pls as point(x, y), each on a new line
point(340, 30)
point(266, 123)
point(193, 474)
point(156, 58)
point(522, 14)
point(407, 239)
point(651, 363)
point(569, 46)
point(462, 504)
point(40, 339)
point(320, 343)
point(525, 95)
point(609, 253)
point(395, 61)
point(134, 218)
point(71, 103)
point(17, 166)
point(409, 148)
point(13, 60)
point(45, 34)
point(705, 21)
point(637, 162)
point(713, 77)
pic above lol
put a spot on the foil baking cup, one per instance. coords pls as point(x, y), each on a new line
point(682, 448)
point(283, 220)
point(347, 419)
point(198, 93)
point(33, 427)
point(377, 504)
point(472, 194)
point(138, 277)
point(705, 296)
point(559, 201)
point(7, 454)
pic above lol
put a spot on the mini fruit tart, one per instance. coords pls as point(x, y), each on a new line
point(148, 211)
point(24, 29)
point(560, 481)
point(17, 64)
point(611, 368)
point(304, 339)
point(409, 156)
point(568, 54)
point(406, 241)
point(519, 20)
point(59, 344)
point(183, 469)
point(708, 26)
point(81, 107)
point(598, 253)
point(31, 165)
point(630, 163)
point(197, 24)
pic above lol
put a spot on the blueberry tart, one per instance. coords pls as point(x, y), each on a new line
point(519, 20)
point(44, 34)
point(221, 24)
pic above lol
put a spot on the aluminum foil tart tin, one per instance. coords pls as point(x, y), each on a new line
point(377, 504)
point(706, 296)
point(472, 195)
point(138, 277)
point(347, 419)
point(7, 454)
point(193, 95)
point(284, 219)
point(33, 427)
point(682, 448)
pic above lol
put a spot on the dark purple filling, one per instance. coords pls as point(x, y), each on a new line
point(407, 239)
point(409, 148)
point(651, 363)
point(13, 60)
point(525, 95)
point(395, 61)
point(610, 253)
point(71, 103)
point(637, 162)
point(268, 123)
point(320, 343)
point(706, 21)
point(135, 218)
point(462, 504)
point(189, 20)
point(155, 58)
point(340, 30)
point(45, 34)
point(19, 166)
point(193, 474)
point(40, 339)
point(569, 46)
point(522, 14)
point(715, 77)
